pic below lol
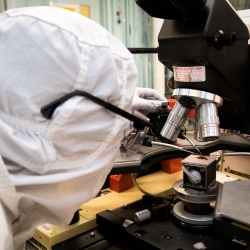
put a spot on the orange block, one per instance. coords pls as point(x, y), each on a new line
point(171, 166)
point(120, 182)
point(171, 102)
point(191, 114)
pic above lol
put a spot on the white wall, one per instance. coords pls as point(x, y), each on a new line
point(134, 30)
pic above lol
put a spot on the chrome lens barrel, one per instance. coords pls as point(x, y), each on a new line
point(209, 121)
point(206, 114)
point(197, 127)
point(175, 122)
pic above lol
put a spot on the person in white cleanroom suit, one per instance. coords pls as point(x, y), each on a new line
point(49, 168)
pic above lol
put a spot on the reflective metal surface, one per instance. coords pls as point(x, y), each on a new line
point(209, 121)
point(206, 115)
point(181, 214)
point(199, 96)
point(175, 122)
point(194, 196)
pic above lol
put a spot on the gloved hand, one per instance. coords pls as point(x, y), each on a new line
point(148, 100)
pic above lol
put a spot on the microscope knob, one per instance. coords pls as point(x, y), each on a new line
point(194, 176)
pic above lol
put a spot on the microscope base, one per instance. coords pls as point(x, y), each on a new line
point(181, 214)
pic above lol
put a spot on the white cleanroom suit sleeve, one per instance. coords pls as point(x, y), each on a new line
point(56, 165)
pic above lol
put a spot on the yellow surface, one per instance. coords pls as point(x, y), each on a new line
point(84, 10)
point(155, 183)
point(240, 225)
point(62, 233)
point(69, 8)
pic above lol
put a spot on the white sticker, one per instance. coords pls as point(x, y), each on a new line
point(47, 229)
point(189, 74)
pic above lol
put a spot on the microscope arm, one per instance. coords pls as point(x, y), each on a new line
point(208, 41)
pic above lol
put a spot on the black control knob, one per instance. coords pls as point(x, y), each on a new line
point(222, 39)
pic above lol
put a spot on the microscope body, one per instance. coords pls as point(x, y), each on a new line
point(209, 55)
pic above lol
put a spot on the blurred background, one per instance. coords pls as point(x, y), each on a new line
point(125, 20)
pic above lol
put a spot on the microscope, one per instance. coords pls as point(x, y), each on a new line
point(205, 44)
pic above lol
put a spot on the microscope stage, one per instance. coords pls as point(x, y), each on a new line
point(46, 236)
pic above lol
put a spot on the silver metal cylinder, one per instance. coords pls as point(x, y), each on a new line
point(195, 196)
point(175, 122)
point(197, 127)
point(127, 222)
point(209, 121)
point(180, 213)
point(142, 216)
